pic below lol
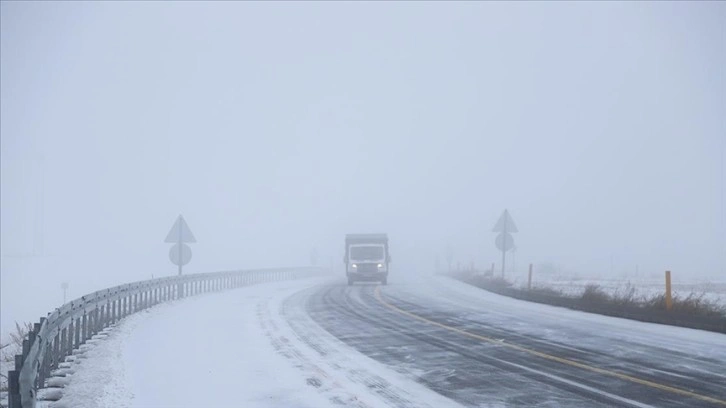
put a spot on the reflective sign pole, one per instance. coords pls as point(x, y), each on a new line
point(180, 252)
point(504, 247)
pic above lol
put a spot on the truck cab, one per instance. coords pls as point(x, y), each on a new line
point(367, 257)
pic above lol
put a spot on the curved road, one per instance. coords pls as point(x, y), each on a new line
point(482, 349)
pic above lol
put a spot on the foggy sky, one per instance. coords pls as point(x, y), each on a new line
point(279, 127)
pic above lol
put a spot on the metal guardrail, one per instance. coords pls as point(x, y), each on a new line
point(70, 326)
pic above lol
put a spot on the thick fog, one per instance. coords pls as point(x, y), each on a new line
point(275, 129)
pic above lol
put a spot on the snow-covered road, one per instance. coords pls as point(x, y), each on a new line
point(235, 349)
point(432, 342)
point(479, 348)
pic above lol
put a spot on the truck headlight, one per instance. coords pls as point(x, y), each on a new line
point(355, 266)
point(380, 265)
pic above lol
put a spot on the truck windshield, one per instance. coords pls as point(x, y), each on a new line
point(366, 253)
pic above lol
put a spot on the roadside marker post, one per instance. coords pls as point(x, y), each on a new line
point(668, 296)
point(529, 279)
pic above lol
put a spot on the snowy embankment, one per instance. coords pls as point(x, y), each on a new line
point(712, 289)
point(233, 349)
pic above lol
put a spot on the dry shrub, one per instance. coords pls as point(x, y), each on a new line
point(595, 294)
point(13, 346)
point(546, 291)
point(694, 304)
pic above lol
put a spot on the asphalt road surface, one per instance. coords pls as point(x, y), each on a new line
point(482, 349)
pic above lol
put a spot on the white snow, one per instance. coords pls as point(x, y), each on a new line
point(233, 349)
point(711, 288)
point(557, 323)
point(257, 347)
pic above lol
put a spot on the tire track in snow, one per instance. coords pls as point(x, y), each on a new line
point(348, 377)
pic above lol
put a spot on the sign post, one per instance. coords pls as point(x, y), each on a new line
point(449, 257)
point(180, 254)
point(504, 240)
point(64, 286)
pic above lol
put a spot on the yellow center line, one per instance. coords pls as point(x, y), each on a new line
point(550, 357)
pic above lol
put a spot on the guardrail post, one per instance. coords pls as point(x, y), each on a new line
point(84, 329)
point(56, 351)
point(91, 325)
point(112, 317)
point(48, 361)
point(63, 344)
point(98, 319)
point(14, 389)
point(93, 322)
point(69, 339)
point(43, 369)
point(77, 334)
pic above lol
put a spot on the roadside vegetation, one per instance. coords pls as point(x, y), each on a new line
point(694, 310)
point(8, 349)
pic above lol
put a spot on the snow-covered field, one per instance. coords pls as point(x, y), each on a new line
point(712, 288)
point(231, 349)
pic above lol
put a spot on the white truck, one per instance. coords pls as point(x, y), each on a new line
point(367, 257)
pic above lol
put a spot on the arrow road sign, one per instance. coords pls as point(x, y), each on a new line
point(180, 254)
point(505, 224)
point(180, 232)
point(504, 240)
